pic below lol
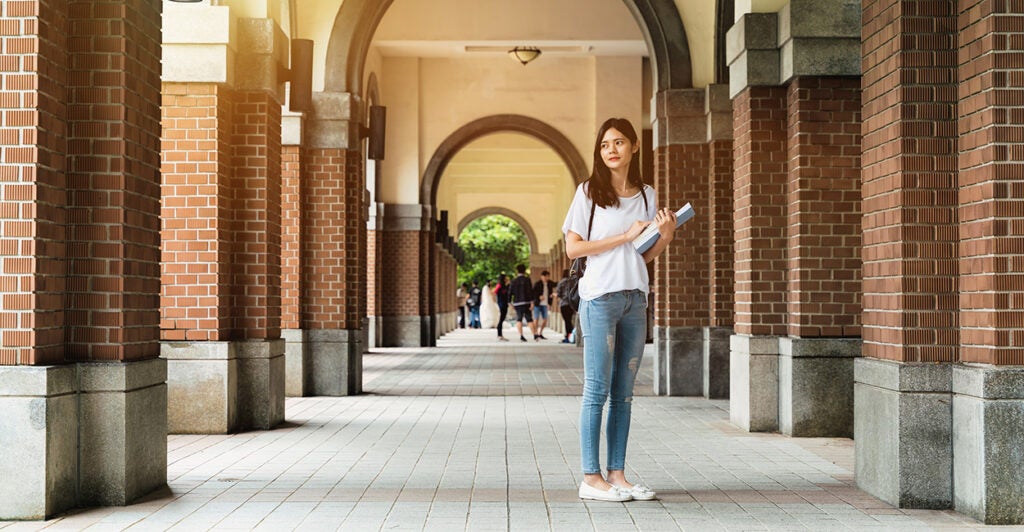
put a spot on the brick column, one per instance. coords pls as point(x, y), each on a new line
point(293, 163)
point(902, 403)
point(793, 79)
point(681, 272)
point(988, 389)
point(82, 392)
point(374, 272)
point(405, 239)
point(221, 307)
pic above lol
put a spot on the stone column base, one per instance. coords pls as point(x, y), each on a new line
point(716, 362)
point(680, 365)
point(39, 438)
point(81, 435)
point(902, 432)
point(298, 379)
point(988, 443)
point(374, 328)
point(405, 331)
point(223, 387)
point(122, 441)
point(754, 382)
point(336, 361)
point(816, 386)
point(660, 365)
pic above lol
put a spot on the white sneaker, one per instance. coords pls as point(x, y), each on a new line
point(613, 494)
point(639, 492)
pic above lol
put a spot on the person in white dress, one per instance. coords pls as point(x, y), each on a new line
point(488, 308)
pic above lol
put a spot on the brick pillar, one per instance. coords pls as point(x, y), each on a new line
point(221, 305)
point(823, 258)
point(903, 415)
point(988, 421)
point(681, 272)
point(374, 272)
point(293, 162)
point(83, 399)
point(405, 240)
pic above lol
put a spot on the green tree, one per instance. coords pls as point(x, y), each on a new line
point(493, 244)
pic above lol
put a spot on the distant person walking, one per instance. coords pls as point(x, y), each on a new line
point(461, 294)
point(608, 211)
point(474, 306)
point(562, 293)
point(543, 294)
point(501, 295)
point(522, 300)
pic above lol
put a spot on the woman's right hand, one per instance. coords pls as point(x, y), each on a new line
point(635, 230)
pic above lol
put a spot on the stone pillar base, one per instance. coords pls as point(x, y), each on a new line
point(816, 386)
point(223, 387)
point(336, 361)
point(39, 438)
point(680, 365)
point(297, 375)
point(988, 443)
point(754, 382)
point(716, 362)
point(374, 328)
point(902, 428)
point(261, 384)
point(660, 366)
point(405, 331)
point(81, 435)
point(122, 442)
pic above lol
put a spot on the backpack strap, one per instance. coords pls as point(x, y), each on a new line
point(644, 194)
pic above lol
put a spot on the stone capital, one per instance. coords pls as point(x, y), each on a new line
point(335, 121)
point(405, 217)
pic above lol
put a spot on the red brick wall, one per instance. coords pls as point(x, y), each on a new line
point(113, 180)
point(909, 180)
point(759, 145)
point(256, 245)
point(196, 212)
point(720, 233)
point(402, 288)
point(291, 227)
point(991, 195)
point(373, 277)
point(333, 265)
point(33, 193)
point(823, 197)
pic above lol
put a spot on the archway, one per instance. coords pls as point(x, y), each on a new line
point(531, 235)
point(659, 21)
point(493, 124)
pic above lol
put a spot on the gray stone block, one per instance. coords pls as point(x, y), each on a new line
point(684, 361)
point(816, 386)
point(820, 18)
point(297, 366)
point(122, 441)
point(660, 367)
point(902, 438)
point(202, 387)
point(818, 57)
point(337, 365)
point(716, 362)
point(988, 443)
point(402, 331)
point(39, 438)
point(261, 384)
point(754, 68)
point(754, 382)
point(754, 31)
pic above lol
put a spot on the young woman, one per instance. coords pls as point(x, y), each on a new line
point(613, 294)
point(501, 294)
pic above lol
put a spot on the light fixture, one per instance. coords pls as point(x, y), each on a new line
point(524, 54)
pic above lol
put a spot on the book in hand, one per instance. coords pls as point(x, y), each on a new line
point(650, 235)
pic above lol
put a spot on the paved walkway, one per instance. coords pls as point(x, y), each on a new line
point(479, 436)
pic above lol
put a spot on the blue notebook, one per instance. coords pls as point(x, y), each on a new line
point(651, 235)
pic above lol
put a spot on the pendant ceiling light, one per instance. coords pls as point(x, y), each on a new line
point(524, 54)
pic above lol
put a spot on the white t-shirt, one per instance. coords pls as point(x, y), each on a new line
point(620, 268)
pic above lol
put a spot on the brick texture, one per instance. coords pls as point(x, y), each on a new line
point(401, 291)
point(823, 207)
point(291, 230)
point(909, 181)
point(720, 233)
point(991, 180)
point(759, 192)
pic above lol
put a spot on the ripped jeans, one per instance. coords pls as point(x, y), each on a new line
point(614, 331)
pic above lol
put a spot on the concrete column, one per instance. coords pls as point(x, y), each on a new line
point(903, 419)
point(816, 386)
point(754, 382)
point(988, 449)
point(336, 361)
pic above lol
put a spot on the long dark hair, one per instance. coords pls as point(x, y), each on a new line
point(599, 186)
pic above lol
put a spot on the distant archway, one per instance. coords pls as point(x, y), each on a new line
point(496, 124)
point(487, 211)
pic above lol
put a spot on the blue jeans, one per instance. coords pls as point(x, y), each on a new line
point(614, 331)
point(474, 317)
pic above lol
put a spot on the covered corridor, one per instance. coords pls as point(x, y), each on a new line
point(476, 435)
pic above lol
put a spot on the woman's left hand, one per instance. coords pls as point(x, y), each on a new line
point(666, 221)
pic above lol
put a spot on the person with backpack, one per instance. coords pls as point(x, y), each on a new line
point(561, 293)
point(522, 301)
point(543, 295)
point(608, 212)
point(473, 302)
